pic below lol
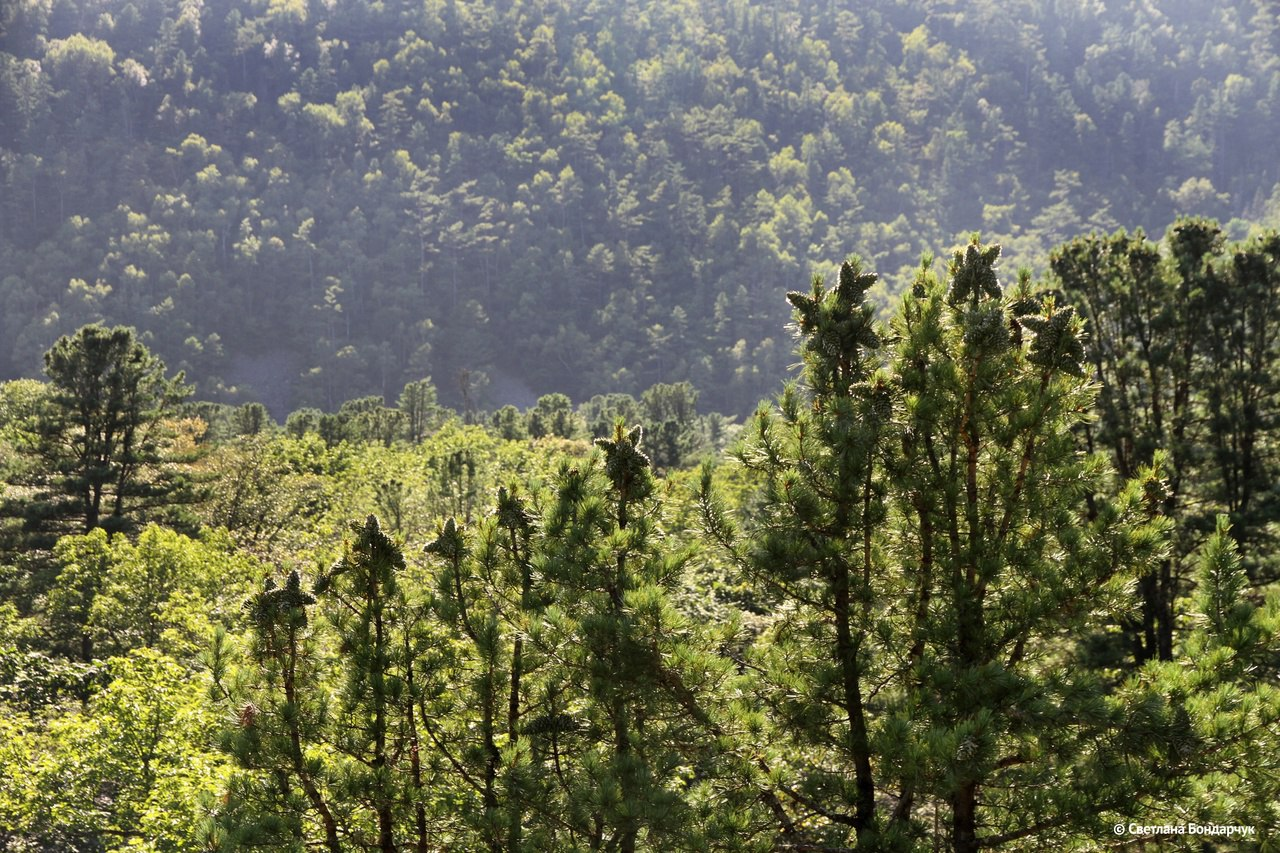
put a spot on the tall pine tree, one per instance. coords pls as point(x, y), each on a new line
point(928, 532)
point(97, 453)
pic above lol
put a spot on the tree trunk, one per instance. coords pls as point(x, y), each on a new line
point(851, 678)
point(964, 818)
point(299, 765)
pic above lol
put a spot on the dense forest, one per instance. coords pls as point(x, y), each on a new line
point(981, 579)
point(599, 426)
point(302, 203)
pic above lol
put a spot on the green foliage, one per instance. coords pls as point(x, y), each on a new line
point(893, 645)
point(164, 591)
point(280, 714)
point(84, 562)
point(418, 407)
point(675, 432)
point(553, 415)
point(536, 689)
point(262, 486)
point(98, 445)
point(21, 402)
point(508, 423)
point(32, 681)
point(602, 411)
point(927, 531)
point(588, 687)
point(303, 205)
point(1184, 345)
point(252, 419)
point(1229, 653)
point(676, 435)
point(129, 770)
point(375, 711)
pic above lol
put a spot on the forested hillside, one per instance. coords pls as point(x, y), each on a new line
point(377, 465)
point(307, 202)
point(997, 573)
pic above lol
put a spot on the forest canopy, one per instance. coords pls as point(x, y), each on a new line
point(303, 203)
point(951, 589)
point(604, 426)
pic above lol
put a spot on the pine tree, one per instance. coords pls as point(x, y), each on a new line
point(1185, 349)
point(814, 547)
point(1239, 377)
point(336, 702)
point(1000, 551)
point(581, 697)
point(418, 405)
point(98, 449)
point(367, 610)
point(480, 601)
point(924, 530)
point(281, 713)
point(1140, 335)
point(1225, 676)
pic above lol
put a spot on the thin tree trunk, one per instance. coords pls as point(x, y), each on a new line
point(964, 814)
point(386, 841)
point(295, 743)
point(415, 758)
point(515, 819)
point(851, 677)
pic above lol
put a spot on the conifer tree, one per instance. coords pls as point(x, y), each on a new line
point(999, 550)
point(624, 657)
point(418, 405)
point(1239, 378)
point(813, 550)
point(477, 598)
point(336, 706)
point(1140, 335)
point(280, 716)
point(1226, 675)
point(367, 609)
point(515, 525)
point(581, 691)
point(97, 450)
point(924, 532)
point(488, 594)
point(1186, 350)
